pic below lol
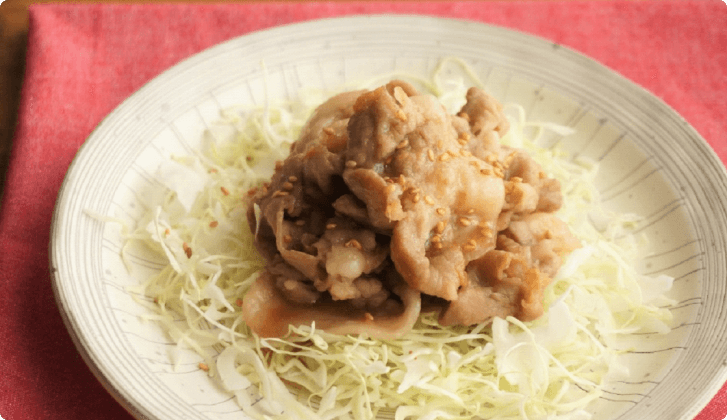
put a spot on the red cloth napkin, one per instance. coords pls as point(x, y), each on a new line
point(83, 60)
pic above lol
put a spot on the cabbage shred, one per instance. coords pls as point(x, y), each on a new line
point(550, 368)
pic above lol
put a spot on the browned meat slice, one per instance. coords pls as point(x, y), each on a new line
point(268, 311)
point(385, 196)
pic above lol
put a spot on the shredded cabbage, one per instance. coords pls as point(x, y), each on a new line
point(552, 367)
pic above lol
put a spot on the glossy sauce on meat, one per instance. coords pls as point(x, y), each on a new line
point(385, 199)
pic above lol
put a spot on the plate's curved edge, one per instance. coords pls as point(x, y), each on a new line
point(251, 37)
point(70, 322)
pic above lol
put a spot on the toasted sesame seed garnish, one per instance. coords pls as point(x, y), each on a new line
point(438, 245)
point(416, 197)
point(402, 144)
point(439, 228)
point(516, 179)
point(464, 116)
point(444, 157)
point(441, 211)
point(225, 191)
point(289, 284)
point(293, 178)
point(214, 223)
point(187, 250)
point(435, 239)
point(430, 154)
point(464, 136)
point(369, 317)
point(354, 244)
point(280, 193)
point(463, 221)
point(351, 164)
point(287, 186)
point(331, 226)
point(428, 200)
point(329, 130)
point(390, 188)
point(486, 171)
point(401, 115)
point(486, 232)
point(204, 366)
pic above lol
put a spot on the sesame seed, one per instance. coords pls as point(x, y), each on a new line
point(435, 239)
point(369, 317)
point(444, 157)
point(293, 178)
point(351, 163)
point(354, 244)
point(225, 191)
point(289, 284)
point(331, 226)
point(430, 154)
point(214, 223)
point(287, 186)
point(328, 130)
point(187, 250)
point(463, 221)
point(204, 366)
point(402, 144)
point(441, 211)
point(439, 228)
point(401, 115)
point(280, 193)
point(416, 197)
point(428, 200)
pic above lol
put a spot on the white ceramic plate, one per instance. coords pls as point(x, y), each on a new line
point(653, 163)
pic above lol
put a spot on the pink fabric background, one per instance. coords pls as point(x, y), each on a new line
point(83, 60)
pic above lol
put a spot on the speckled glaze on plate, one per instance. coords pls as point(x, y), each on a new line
point(653, 163)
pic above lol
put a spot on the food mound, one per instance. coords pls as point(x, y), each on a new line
point(388, 206)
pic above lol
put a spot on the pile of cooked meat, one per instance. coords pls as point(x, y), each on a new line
point(388, 206)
